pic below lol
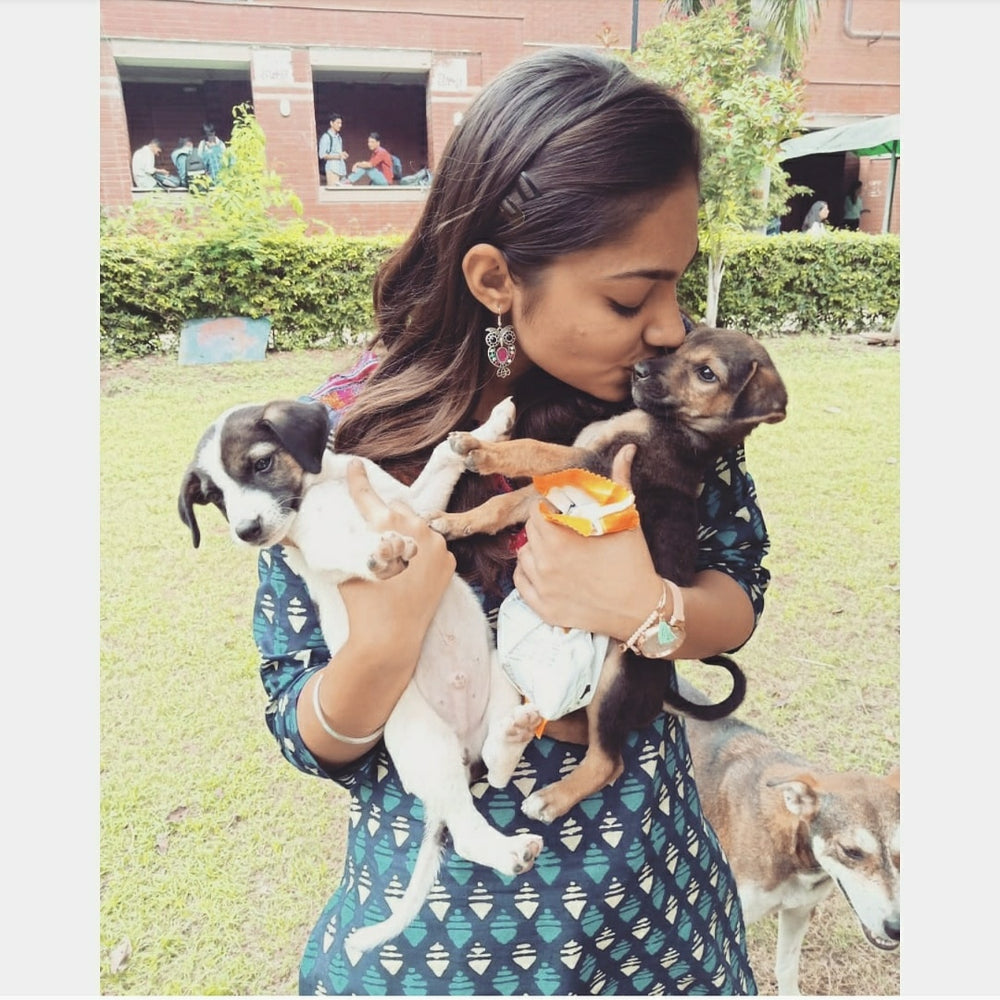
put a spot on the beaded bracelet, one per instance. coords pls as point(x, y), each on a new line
point(327, 728)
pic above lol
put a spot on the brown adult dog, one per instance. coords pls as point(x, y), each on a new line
point(692, 405)
point(791, 832)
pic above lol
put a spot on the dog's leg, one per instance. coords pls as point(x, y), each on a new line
point(488, 518)
point(512, 727)
point(518, 458)
point(792, 924)
point(594, 772)
point(429, 758)
point(432, 488)
point(599, 766)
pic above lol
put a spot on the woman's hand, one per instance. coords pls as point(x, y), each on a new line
point(604, 584)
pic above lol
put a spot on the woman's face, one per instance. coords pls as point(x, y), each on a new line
point(593, 314)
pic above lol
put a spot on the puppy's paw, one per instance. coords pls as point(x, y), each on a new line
point(464, 443)
point(392, 555)
point(524, 849)
point(504, 743)
point(541, 806)
point(449, 525)
point(499, 422)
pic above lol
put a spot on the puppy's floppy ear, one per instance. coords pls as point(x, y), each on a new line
point(303, 430)
point(190, 494)
point(762, 399)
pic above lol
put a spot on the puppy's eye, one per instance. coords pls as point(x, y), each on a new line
point(853, 853)
point(263, 464)
point(706, 374)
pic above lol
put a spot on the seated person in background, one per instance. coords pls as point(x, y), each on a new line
point(179, 157)
point(144, 168)
point(210, 149)
point(377, 168)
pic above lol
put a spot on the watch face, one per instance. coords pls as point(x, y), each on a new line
point(660, 641)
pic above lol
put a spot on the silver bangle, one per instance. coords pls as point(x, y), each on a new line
point(327, 728)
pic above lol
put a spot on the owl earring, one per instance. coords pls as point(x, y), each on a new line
point(501, 346)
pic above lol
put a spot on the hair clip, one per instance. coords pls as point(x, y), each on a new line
point(525, 190)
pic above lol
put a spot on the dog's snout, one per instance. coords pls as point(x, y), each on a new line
point(249, 530)
point(641, 369)
point(891, 928)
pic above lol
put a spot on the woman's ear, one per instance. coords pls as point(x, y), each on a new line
point(488, 277)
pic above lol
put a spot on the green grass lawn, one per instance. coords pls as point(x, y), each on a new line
point(217, 856)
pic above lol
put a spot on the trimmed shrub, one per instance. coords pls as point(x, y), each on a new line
point(317, 290)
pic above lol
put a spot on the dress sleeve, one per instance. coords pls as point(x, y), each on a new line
point(732, 537)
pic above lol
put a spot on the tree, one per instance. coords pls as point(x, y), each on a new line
point(246, 202)
point(786, 24)
point(711, 62)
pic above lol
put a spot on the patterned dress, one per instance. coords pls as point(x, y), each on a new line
point(631, 893)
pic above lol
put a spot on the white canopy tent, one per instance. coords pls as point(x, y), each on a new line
point(874, 137)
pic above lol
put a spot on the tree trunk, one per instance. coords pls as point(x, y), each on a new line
point(716, 265)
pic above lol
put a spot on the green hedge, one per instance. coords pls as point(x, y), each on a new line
point(317, 290)
point(840, 282)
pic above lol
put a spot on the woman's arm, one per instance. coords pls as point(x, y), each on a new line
point(362, 682)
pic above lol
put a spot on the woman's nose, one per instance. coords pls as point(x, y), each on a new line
point(665, 328)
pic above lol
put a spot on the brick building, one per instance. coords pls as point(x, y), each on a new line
point(851, 72)
point(406, 70)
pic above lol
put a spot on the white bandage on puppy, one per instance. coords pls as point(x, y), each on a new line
point(555, 669)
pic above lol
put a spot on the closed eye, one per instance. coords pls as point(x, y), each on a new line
point(623, 310)
point(853, 854)
point(706, 374)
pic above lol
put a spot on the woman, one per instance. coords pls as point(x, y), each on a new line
point(854, 207)
point(574, 268)
point(815, 221)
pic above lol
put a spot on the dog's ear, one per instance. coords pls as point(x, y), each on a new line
point(303, 430)
point(893, 777)
point(799, 792)
point(762, 399)
point(190, 494)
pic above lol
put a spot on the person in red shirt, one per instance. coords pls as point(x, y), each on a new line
point(378, 166)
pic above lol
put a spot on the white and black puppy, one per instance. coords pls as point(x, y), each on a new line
point(269, 469)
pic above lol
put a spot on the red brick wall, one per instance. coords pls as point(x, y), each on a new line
point(485, 33)
point(845, 76)
point(854, 76)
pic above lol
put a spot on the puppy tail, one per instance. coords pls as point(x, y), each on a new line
point(701, 708)
point(425, 871)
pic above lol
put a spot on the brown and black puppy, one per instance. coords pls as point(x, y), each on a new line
point(692, 405)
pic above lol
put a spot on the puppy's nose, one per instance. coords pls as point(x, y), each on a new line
point(891, 928)
point(249, 531)
point(641, 369)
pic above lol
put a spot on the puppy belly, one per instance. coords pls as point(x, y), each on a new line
point(453, 672)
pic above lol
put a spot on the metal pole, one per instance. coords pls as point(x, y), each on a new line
point(892, 190)
point(635, 24)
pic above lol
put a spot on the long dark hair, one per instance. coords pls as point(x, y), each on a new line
point(561, 152)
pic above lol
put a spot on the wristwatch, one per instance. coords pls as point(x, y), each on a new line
point(658, 638)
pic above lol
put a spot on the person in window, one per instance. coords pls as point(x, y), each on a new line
point(211, 150)
point(631, 893)
point(179, 157)
point(144, 168)
point(377, 168)
point(331, 151)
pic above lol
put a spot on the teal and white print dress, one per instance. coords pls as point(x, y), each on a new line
point(631, 893)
